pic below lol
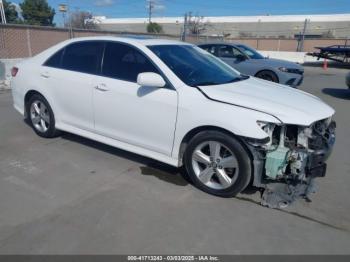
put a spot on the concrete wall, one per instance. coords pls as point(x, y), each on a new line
point(2, 70)
point(8, 64)
point(297, 57)
point(5, 71)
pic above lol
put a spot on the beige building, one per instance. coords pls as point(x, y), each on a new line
point(285, 26)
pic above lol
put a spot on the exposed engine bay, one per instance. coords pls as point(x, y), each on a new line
point(287, 165)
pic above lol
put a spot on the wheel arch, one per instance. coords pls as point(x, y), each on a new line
point(27, 97)
point(193, 132)
point(269, 70)
point(254, 175)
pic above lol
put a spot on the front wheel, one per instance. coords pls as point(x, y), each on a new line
point(218, 164)
point(267, 75)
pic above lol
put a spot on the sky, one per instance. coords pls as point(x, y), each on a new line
point(137, 8)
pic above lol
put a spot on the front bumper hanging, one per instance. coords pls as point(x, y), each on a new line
point(287, 174)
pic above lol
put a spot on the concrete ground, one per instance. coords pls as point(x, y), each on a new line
point(70, 195)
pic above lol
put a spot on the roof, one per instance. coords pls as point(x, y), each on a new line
point(230, 19)
point(131, 40)
point(220, 43)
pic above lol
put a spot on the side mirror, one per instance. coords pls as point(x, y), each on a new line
point(240, 58)
point(150, 79)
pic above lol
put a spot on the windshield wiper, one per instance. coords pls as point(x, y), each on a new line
point(237, 79)
point(208, 83)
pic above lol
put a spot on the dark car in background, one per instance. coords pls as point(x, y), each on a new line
point(248, 61)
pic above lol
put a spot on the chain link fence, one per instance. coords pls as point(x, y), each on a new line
point(18, 41)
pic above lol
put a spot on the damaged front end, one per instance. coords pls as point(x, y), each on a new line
point(287, 165)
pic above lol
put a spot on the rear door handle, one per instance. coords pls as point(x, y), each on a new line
point(101, 87)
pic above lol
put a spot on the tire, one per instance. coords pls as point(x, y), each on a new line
point(223, 170)
point(40, 117)
point(267, 75)
point(348, 80)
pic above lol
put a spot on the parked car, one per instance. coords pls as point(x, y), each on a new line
point(348, 79)
point(248, 61)
point(176, 103)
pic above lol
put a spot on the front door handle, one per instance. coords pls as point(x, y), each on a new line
point(45, 74)
point(101, 87)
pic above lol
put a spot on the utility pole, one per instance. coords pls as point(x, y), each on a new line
point(71, 34)
point(63, 8)
point(2, 12)
point(301, 47)
point(150, 10)
point(185, 28)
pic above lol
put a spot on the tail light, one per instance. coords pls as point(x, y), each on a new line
point(14, 71)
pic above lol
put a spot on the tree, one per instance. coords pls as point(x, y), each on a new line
point(80, 20)
point(10, 13)
point(37, 12)
point(154, 28)
point(196, 24)
point(328, 34)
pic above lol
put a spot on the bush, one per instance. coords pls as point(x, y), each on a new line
point(154, 28)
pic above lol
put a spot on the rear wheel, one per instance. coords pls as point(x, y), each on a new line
point(267, 75)
point(217, 163)
point(41, 117)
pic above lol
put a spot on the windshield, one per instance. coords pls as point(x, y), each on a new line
point(194, 66)
point(253, 54)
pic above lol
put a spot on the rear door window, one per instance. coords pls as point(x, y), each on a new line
point(84, 57)
point(227, 51)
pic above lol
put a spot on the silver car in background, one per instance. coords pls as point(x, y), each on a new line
point(249, 62)
point(348, 80)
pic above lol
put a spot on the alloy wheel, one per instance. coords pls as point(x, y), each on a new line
point(40, 116)
point(215, 165)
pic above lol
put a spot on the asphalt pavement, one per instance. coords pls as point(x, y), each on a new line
point(71, 195)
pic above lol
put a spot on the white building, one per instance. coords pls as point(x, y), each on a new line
point(331, 25)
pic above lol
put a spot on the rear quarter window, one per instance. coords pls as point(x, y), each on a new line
point(55, 60)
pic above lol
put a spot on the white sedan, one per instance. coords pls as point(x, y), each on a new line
point(176, 103)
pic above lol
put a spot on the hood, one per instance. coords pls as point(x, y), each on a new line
point(289, 105)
